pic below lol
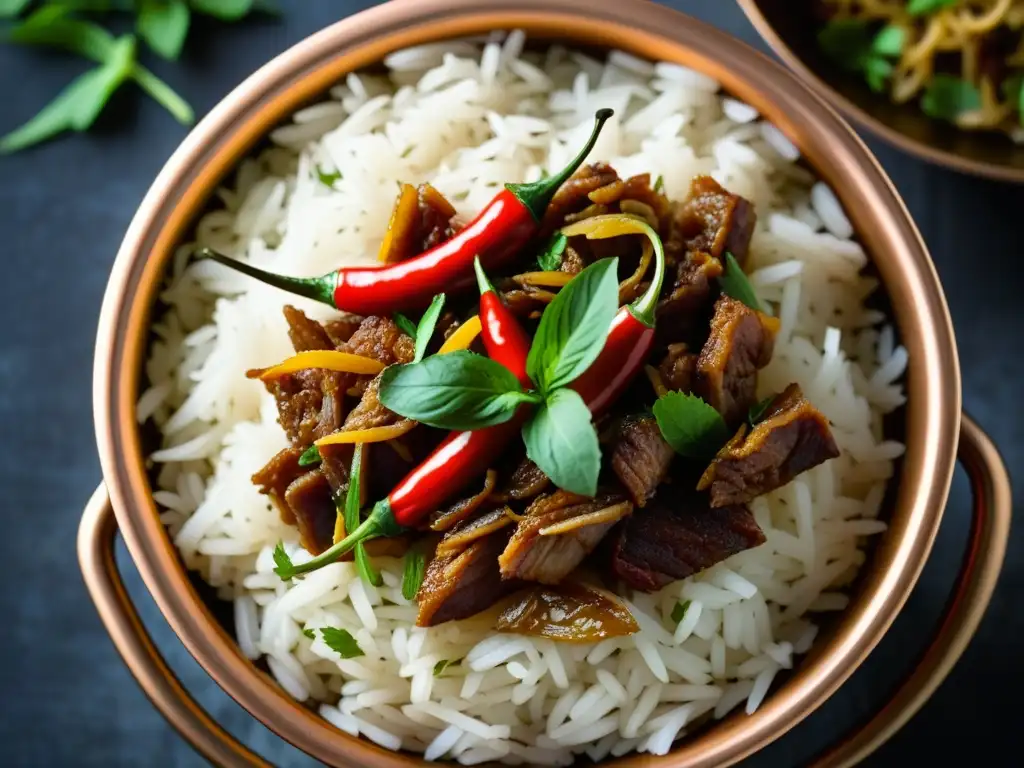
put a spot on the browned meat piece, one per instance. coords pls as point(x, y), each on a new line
point(641, 457)
point(274, 479)
point(574, 195)
point(463, 508)
point(312, 504)
point(468, 531)
point(341, 329)
point(335, 463)
point(568, 613)
point(677, 537)
point(689, 303)
point(572, 261)
point(792, 437)
point(678, 368)
point(741, 342)
point(305, 334)
point(558, 530)
point(460, 586)
point(435, 224)
point(381, 339)
point(370, 412)
point(447, 324)
point(524, 302)
point(526, 481)
point(714, 221)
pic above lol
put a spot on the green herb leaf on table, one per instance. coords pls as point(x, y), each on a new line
point(283, 565)
point(574, 326)
point(550, 259)
point(443, 664)
point(51, 26)
point(365, 567)
point(407, 326)
point(947, 97)
point(460, 390)
point(562, 441)
point(923, 7)
point(225, 10)
point(692, 427)
point(679, 612)
point(310, 456)
point(311, 634)
point(327, 178)
point(736, 285)
point(426, 326)
point(412, 573)
point(756, 412)
point(10, 9)
point(341, 642)
point(163, 24)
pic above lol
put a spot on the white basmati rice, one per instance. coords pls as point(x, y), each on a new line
point(467, 116)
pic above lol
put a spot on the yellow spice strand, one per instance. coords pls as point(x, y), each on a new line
point(372, 435)
point(463, 336)
point(341, 362)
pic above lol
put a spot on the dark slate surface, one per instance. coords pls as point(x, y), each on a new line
point(63, 210)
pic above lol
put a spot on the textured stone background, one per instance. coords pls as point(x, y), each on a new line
point(63, 210)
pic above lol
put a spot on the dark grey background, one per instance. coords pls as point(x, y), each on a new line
point(63, 210)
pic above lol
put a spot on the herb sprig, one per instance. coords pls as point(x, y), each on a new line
point(853, 46)
point(163, 25)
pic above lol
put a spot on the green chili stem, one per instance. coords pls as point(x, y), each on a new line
point(317, 288)
point(381, 522)
point(536, 195)
point(644, 307)
point(481, 278)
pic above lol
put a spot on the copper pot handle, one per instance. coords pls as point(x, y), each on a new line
point(990, 527)
point(986, 547)
point(96, 534)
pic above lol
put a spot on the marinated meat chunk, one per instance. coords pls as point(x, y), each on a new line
point(525, 302)
point(573, 196)
point(689, 303)
point(557, 531)
point(464, 508)
point(370, 412)
point(381, 339)
point(641, 457)
point(435, 218)
point(741, 342)
point(792, 437)
point(572, 261)
point(526, 481)
point(341, 329)
point(312, 504)
point(306, 334)
point(466, 532)
point(274, 479)
point(678, 536)
point(715, 221)
point(462, 585)
point(678, 368)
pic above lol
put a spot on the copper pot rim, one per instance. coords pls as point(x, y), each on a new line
point(307, 69)
point(900, 140)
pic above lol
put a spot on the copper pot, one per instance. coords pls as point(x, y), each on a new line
point(935, 431)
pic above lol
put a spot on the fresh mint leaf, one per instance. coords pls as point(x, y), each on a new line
point(225, 10)
point(923, 7)
point(327, 178)
point(443, 664)
point(756, 412)
point(550, 259)
point(10, 9)
point(562, 441)
point(311, 634)
point(365, 567)
point(574, 326)
point(163, 24)
point(426, 326)
point(889, 41)
point(412, 574)
point(877, 72)
point(407, 326)
point(310, 457)
point(341, 642)
point(947, 97)
point(735, 284)
point(679, 612)
point(461, 391)
point(283, 565)
point(847, 42)
point(692, 427)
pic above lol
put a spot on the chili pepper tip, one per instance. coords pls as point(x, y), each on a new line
point(481, 278)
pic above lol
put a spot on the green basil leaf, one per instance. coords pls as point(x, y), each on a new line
point(679, 612)
point(426, 326)
point(562, 441)
point(283, 565)
point(877, 71)
point(889, 41)
point(846, 42)
point(311, 634)
point(225, 10)
point(756, 412)
point(659, 183)
point(692, 427)
point(574, 326)
point(460, 391)
point(443, 664)
point(327, 178)
point(734, 283)
point(550, 259)
point(364, 566)
point(407, 326)
point(310, 457)
point(922, 7)
point(51, 26)
point(412, 574)
point(947, 97)
point(163, 24)
point(341, 642)
point(9, 9)
point(351, 510)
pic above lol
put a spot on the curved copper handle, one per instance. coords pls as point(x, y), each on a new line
point(96, 535)
point(990, 530)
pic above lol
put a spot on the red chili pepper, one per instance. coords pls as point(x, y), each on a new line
point(504, 339)
point(498, 232)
